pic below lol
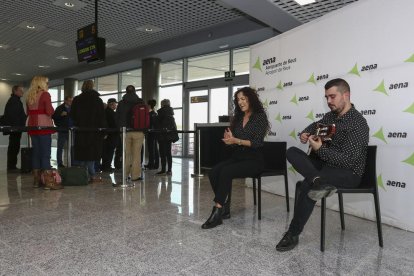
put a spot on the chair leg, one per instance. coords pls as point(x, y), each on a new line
point(378, 215)
point(287, 193)
point(297, 191)
point(259, 196)
point(341, 210)
point(254, 191)
point(323, 217)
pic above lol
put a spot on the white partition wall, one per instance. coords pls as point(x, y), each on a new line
point(371, 45)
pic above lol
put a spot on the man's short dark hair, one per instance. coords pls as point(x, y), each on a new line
point(67, 98)
point(152, 103)
point(340, 84)
point(130, 89)
point(15, 87)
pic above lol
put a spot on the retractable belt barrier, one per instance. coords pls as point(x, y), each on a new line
point(122, 131)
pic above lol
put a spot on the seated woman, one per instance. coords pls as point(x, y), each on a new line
point(247, 130)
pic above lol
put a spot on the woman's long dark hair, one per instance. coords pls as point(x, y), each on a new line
point(255, 105)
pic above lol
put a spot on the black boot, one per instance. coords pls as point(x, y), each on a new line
point(214, 219)
point(226, 210)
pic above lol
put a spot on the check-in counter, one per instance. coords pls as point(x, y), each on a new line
point(212, 148)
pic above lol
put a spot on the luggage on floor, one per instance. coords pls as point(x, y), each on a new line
point(26, 159)
point(51, 179)
point(74, 176)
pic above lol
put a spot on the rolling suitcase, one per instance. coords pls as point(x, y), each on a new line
point(26, 160)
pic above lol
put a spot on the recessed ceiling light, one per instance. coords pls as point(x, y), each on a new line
point(62, 57)
point(224, 46)
point(73, 5)
point(4, 79)
point(109, 44)
point(17, 74)
point(31, 27)
point(304, 2)
point(43, 66)
point(149, 29)
point(4, 46)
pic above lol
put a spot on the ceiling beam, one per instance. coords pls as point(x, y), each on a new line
point(266, 12)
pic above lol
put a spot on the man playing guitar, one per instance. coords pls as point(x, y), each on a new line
point(337, 163)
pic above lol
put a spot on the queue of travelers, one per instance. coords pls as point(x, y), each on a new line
point(87, 111)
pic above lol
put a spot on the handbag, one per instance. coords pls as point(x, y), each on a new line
point(51, 179)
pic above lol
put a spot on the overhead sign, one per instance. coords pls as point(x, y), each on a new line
point(88, 31)
point(199, 99)
point(229, 75)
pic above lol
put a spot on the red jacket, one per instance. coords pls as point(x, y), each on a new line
point(40, 114)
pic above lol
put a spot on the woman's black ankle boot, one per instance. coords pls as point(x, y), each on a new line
point(214, 219)
point(226, 210)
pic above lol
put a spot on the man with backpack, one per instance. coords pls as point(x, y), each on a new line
point(132, 112)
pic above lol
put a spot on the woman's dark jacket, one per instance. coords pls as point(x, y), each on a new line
point(88, 111)
point(165, 121)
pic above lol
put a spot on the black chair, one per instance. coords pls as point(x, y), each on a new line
point(368, 185)
point(275, 164)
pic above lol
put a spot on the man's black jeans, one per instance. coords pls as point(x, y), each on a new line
point(311, 167)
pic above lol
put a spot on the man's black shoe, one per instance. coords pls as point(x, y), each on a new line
point(214, 219)
point(320, 191)
point(288, 242)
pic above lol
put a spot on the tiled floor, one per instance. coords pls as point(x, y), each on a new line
point(154, 228)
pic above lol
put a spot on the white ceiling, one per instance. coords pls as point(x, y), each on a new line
point(186, 28)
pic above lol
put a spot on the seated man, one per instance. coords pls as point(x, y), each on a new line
point(339, 162)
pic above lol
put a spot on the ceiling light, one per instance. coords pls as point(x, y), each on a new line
point(304, 2)
point(17, 74)
point(31, 27)
point(62, 57)
point(4, 46)
point(43, 66)
point(73, 5)
point(4, 79)
point(224, 46)
point(149, 29)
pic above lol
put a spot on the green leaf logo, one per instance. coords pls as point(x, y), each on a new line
point(258, 65)
point(354, 70)
point(293, 134)
point(410, 109)
point(380, 135)
point(294, 100)
point(312, 79)
point(380, 183)
point(280, 86)
point(381, 88)
point(410, 160)
point(266, 104)
point(410, 59)
point(278, 118)
point(292, 169)
point(310, 116)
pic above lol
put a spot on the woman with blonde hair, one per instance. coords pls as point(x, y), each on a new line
point(40, 111)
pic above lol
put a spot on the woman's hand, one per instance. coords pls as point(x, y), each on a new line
point(231, 140)
point(227, 133)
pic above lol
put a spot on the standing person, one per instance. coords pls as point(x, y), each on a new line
point(62, 119)
point(340, 163)
point(133, 139)
point(14, 115)
point(112, 138)
point(153, 155)
point(40, 111)
point(166, 121)
point(246, 134)
point(88, 111)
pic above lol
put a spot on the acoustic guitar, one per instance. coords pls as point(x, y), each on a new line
point(324, 132)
